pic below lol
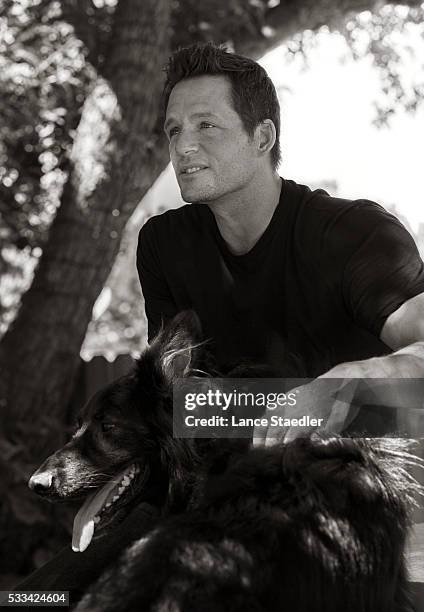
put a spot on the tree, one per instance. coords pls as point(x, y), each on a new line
point(111, 150)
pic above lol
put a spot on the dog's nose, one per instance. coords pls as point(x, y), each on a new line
point(41, 482)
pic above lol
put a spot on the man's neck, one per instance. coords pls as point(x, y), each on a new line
point(243, 219)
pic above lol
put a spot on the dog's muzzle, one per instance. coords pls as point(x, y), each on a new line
point(41, 482)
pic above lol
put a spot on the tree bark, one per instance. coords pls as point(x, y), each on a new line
point(117, 155)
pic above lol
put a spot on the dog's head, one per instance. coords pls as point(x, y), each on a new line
point(124, 435)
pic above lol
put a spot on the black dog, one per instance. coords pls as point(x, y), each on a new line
point(123, 444)
point(314, 525)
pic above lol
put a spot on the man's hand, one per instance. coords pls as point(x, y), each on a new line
point(331, 395)
point(326, 399)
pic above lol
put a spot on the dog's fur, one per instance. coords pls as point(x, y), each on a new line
point(316, 525)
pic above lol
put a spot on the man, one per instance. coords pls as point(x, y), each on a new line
point(266, 263)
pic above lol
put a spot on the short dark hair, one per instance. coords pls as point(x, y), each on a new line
point(253, 93)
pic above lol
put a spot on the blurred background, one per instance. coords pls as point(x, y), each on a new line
point(84, 163)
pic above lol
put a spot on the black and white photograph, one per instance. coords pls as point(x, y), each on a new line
point(212, 305)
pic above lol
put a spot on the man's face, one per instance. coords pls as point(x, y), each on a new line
point(210, 151)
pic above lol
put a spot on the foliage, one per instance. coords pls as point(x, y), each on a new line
point(44, 80)
point(383, 37)
point(386, 37)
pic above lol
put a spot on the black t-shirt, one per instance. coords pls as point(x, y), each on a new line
point(321, 280)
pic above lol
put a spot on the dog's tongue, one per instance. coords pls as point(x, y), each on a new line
point(83, 530)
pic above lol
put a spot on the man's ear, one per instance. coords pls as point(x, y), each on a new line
point(176, 344)
point(267, 135)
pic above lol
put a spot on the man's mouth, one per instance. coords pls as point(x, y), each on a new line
point(100, 505)
point(192, 170)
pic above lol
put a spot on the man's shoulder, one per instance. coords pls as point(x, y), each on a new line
point(171, 222)
point(173, 216)
point(319, 203)
point(327, 227)
point(317, 210)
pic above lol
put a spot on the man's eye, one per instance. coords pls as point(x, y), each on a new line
point(205, 124)
point(107, 427)
point(172, 132)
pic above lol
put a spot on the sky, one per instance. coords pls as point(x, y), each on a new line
point(328, 136)
point(327, 131)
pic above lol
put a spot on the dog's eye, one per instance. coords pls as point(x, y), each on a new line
point(107, 426)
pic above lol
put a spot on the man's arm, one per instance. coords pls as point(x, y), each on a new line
point(333, 401)
point(159, 304)
point(406, 325)
point(375, 262)
point(403, 331)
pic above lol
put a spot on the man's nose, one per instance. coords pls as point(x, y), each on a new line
point(186, 143)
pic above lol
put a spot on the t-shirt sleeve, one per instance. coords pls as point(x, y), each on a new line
point(382, 267)
point(159, 304)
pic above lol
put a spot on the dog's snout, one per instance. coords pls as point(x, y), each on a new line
point(41, 482)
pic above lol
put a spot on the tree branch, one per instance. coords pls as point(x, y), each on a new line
point(254, 28)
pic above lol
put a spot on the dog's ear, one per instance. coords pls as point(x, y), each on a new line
point(176, 344)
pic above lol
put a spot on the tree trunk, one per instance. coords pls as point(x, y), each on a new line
point(117, 155)
point(115, 159)
point(256, 27)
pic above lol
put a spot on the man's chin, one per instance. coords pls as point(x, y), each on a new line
point(196, 187)
point(192, 197)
